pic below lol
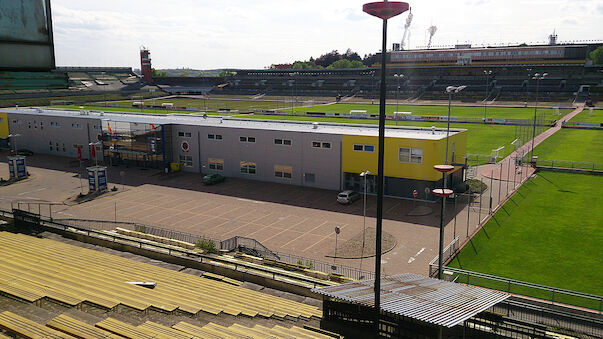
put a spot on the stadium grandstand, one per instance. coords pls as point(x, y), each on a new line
point(498, 73)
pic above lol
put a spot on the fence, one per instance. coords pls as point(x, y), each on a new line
point(226, 245)
point(447, 253)
point(326, 267)
point(569, 164)
point(548, 293)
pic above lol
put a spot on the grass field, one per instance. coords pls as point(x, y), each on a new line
point(481, 139)
point(314, 105)
point(574, 145)
point(459, 111)
point(585, 116)
point(534, 238)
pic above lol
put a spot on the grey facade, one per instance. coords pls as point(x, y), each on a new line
point(289, 150)
point(56, 135)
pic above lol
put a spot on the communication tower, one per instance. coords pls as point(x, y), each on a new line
point(145, 65)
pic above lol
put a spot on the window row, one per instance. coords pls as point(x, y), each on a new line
point(364, 148)
point(185, 134)
point(277, 141)
point(249, 167)
point(56, 147)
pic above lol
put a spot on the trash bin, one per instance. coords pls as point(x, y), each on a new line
point(175, 166)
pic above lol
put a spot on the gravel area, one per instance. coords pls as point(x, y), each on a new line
point(352, 248)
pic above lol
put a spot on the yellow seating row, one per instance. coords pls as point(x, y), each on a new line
point(77, 328)
point(24, 327)
point(212, 330)
point(72, 274)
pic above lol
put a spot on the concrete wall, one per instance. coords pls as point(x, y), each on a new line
point(324, 163)
point(38, 132)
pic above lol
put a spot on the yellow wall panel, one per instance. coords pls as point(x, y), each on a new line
point(4, 126)
point(433, 153)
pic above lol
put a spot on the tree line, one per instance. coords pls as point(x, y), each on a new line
point(334, 59)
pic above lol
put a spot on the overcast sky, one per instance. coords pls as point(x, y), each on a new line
point(256, 33)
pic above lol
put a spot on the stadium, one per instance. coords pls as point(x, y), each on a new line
point(139, 205)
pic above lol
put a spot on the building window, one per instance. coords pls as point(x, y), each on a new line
point(55, 124)
point(364, 148)
point(283, 171)
point(214, 136)
point(318, 144)
point(410, 155)
point(185, 134)
point(247, 139)
point(309, 177)
point(187, 160)
point(76, 125)
point(216, 164)
point(285, 142)
point(248, 167)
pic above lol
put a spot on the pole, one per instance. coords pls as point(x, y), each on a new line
point(380, 166)
point(447, 131)
point(487, 93)
point(534, 124)
point(468, 211)
point(455, 211)
point(397, 94)
point(499, 182)
point(116, 212)
point(363, 223)
point(442, 217)
point(508, 177)
point(491, 183)
point(80, 175)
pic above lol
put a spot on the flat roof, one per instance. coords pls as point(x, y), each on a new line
point(414, 296)
point(408, 132)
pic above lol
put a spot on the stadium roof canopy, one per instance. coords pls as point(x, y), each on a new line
point(421, 298)
point(257, 124)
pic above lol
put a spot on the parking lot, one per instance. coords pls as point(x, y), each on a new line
point(284, 218)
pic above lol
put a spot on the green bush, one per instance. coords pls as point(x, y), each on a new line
point(476, 186)
point(207, 245)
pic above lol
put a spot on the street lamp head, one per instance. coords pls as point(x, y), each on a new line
point(14, 135)
point(386, 9)
point(455, 89)
point(365, 173)
point(460, 88)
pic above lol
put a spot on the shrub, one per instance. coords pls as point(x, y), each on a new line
point(207, 245)
point(476, 186)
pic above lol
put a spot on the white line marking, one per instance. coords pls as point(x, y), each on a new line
point(249, 200)
point(416, 255)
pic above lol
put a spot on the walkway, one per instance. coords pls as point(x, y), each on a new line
point(501, 169)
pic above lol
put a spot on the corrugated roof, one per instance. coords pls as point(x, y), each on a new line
point(410, 132)
point(421, 298)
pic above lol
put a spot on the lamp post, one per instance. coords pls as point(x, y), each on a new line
point(93, 144)
point(536, 77)
point(450, 90)
point(398, 77)
point(487, 73)
point(383, 10)
point(14, 136)
point(363, 175)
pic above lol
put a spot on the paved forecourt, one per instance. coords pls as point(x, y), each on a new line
point(284, 218)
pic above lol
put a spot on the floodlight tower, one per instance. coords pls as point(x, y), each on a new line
point(406, 27)
point(383, 10)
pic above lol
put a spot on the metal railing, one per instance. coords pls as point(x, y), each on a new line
point(548, 293)
point(326, 267)
point(226, 245)
point(448, 252)
point(569, 164)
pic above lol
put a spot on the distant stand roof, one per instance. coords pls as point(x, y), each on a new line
point(421, 298)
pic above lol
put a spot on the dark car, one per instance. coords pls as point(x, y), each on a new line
point(213, 178)
point(22, 151)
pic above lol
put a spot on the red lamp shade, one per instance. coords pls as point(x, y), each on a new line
point(443, 168)
point(442, 192)
point(385, 9)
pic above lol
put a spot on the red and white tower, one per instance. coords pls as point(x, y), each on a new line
point(145, 65)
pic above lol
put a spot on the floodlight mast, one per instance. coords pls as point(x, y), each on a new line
point(383, 10)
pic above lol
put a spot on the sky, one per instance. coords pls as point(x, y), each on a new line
point(254, 34)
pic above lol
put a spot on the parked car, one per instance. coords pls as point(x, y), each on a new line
point(22, 151)
point(213, 178)
point(347, 197)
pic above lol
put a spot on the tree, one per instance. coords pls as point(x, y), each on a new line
point(157, 74)
point(226, 74)
point(352, 56)
point(345, 63)
point(597, 56)
point(327, 59)
point(305, 65)
point(369, 60)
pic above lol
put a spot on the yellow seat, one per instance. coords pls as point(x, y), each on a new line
point(76, 328)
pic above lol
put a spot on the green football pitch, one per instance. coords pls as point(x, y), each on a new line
point(548, 233)
point(574, 145)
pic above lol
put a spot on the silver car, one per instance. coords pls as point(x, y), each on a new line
point(347, 197)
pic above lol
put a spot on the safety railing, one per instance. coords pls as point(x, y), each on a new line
point(548, 293)
point(569, 164)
